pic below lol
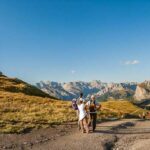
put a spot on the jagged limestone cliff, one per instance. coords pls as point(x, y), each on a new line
point(142, 92)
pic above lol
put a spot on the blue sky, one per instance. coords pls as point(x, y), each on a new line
point(68, 40)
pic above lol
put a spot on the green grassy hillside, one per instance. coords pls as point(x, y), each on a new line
point(20, 112)
point(120, 108)
point(18, 86)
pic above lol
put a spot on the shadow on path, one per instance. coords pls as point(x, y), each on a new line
point(123, 128)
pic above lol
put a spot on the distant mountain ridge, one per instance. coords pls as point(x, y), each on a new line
point(70, 90)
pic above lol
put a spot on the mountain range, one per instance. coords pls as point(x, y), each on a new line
point(102, 90)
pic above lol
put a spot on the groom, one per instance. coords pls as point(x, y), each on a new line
point(93, 107)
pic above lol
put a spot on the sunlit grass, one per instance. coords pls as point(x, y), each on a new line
point(120, 108)
point(16, 85)
point(20, 112)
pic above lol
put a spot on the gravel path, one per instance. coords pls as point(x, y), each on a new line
point(128, 134)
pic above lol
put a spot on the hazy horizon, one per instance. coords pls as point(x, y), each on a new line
point(64, 41)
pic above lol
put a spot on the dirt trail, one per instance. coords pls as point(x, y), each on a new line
point(113, 135)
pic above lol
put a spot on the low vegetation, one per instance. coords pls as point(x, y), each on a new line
point(20, 112)
point(24, 107)
point(18, 86)
point(120, 109)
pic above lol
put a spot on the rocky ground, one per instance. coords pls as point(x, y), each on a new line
point(128, 134)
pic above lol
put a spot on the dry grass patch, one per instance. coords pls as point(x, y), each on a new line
point(16, 85)
point(20, 112)
point(120, 108)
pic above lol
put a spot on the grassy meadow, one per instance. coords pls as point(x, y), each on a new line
point(20, 112)
point(16, 85)
point(120, 109)
point(24, 107)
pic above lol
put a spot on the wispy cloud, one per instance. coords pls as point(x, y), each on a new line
point(73, 71)
point(132, 62)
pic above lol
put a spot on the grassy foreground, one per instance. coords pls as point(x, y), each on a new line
point(20, 112)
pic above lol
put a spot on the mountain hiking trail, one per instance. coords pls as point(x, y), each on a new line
point(127, 134)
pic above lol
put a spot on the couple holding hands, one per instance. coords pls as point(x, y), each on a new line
point(87, 113)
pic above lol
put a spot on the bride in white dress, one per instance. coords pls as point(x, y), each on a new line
point(82, 116)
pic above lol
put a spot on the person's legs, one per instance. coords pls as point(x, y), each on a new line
point(77, 112)
point(89, 120)
point(94, 121)
point(86, 125)
point(82, 126)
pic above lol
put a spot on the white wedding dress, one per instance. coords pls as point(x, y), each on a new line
point(82, 112)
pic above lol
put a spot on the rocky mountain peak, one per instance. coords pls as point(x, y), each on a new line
point(142, 92)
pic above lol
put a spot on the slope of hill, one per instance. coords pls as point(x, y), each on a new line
point(120, 108)
point(23, 107)
point(18, 86)
point(20, 112)
point(70, 90)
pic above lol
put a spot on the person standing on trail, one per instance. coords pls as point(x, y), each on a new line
point(93, 107)
point(75, 103)
point(83, 116)
point(78, 101)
